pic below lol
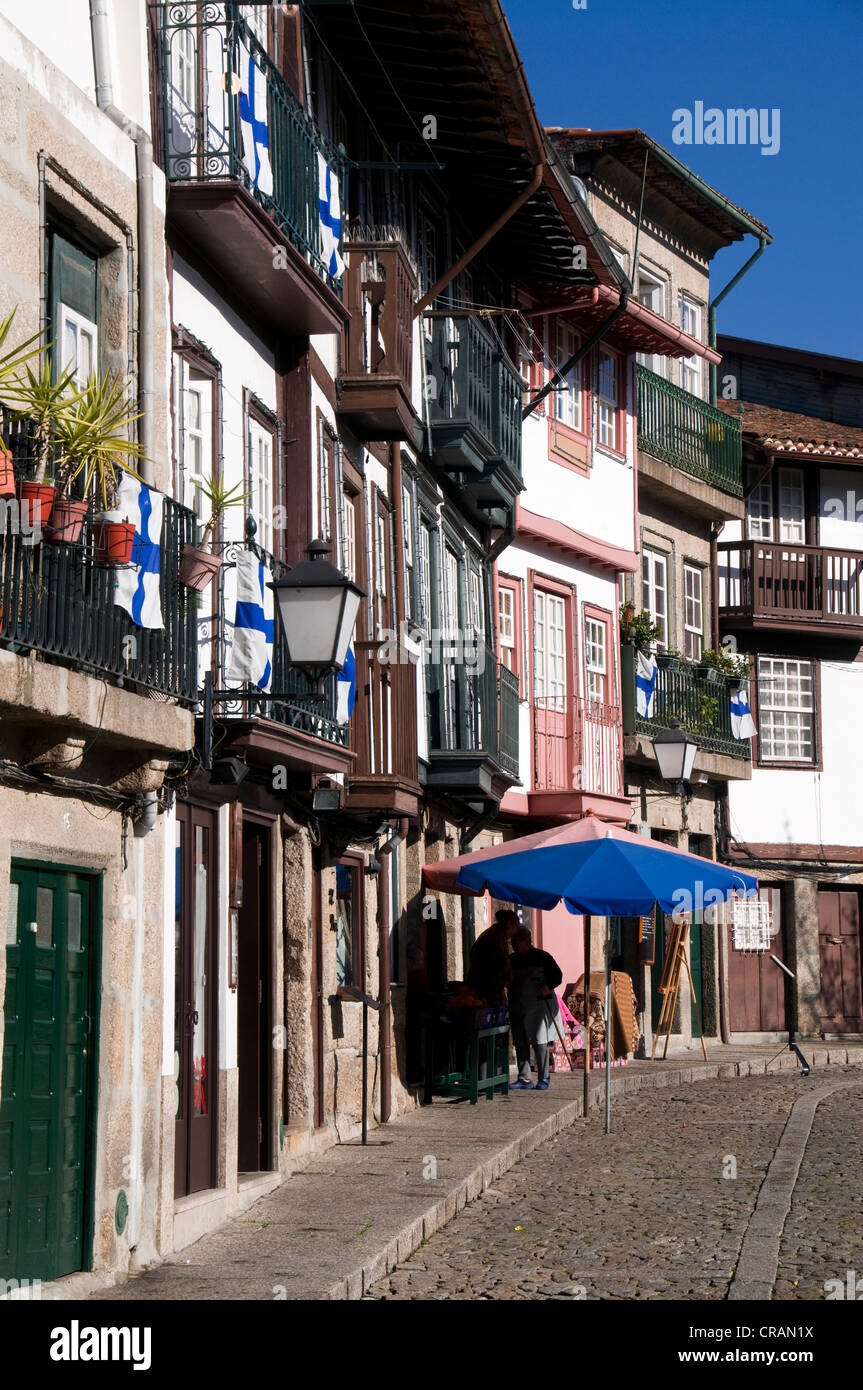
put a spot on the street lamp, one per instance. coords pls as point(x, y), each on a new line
point(318, 606)
point(675, 753)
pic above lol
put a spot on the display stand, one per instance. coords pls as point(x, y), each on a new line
point(669, 986)
point(467, 1050)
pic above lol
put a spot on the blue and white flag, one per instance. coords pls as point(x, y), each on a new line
point(330, 214)
point(137, 587)
point(251, 659)
point(742, 723)
point(253, 123)
point(346, 688)
point(645, 684)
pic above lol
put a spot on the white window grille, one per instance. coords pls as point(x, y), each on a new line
point(751, 924)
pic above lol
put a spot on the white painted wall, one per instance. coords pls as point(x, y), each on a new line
point(808, 807)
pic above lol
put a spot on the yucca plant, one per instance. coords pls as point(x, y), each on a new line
point(92, 437)
point(13, 361)
point(38, 397)
point(220, 498)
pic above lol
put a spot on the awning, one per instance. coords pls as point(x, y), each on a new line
point(556, 535)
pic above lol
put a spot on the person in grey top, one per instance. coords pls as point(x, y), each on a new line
point(533, 1006)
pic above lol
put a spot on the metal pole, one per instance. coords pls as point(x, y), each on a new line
point(587, 922)
point(365, 1072)
point(608, 1025)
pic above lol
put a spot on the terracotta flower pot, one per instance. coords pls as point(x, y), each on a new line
point(7, 474)
point(40, 500)
point(67, 520)
point(198, 567)
point(113, 541)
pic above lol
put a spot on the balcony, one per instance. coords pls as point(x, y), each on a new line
point(700, 702)
point(299, 733)
point(792, 588)
point(473, 726)
point(475, 397)
point(383, 735)
point(576, 748)
point(680, 433)
point(375, 383)
point(262, 234)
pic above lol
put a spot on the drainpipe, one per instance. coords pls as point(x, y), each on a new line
point(384, 992)
point(101, 38)
point(711, 309)
point(582, 352)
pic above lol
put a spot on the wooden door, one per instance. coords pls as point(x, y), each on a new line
point(254, 1033)
point(839, 949)
point(552, 707)
point(757, 1000)
point(47, 1072)
point(196, 985)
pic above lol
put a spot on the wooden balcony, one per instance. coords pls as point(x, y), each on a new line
point(375, 383)
point(680, 434)
point(473, 726)
point(263, 236)
point(792, 588)
point(475, 397)
point(383, 735)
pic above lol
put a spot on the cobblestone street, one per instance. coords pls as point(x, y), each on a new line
point(659, 1209)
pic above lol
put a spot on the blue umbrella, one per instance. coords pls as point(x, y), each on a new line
point(608, 876)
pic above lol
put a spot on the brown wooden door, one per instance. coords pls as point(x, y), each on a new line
point(839, 949)
point(254, 1032)
point(196, 986)
point(756, 986)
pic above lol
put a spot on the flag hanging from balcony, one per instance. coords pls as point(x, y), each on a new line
point(645, 684)
point(742, 723)
point(330, 215)
point(137, 587)
point(346, 688)
point(251, 658)
point(253, 123)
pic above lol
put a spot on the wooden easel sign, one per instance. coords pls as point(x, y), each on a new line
point(669, 986)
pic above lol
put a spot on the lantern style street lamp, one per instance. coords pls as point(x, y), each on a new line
point(318, 606)
point(675, 754)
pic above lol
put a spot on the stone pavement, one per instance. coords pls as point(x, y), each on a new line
point(337, 1227)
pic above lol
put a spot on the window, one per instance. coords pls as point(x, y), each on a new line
point(506, 627)
point(654, 592)
point(608, 390)
point(693, 612)
point(549, 649)
point(260, 479)
point(425, 612)
point(651, 293)
point(193, 427)
point(350, 966)
point(792, 505)
point(256, 18)
point(349, 544)
point(326, 479)
point(595, 660)
point(690, 367)
point(476, 613)
point(759, 508)
point(567, 393)
point(786, 710)
point(74, 307)
point(78, 338)
point(408, 543)
point(426, 255)
point(381, 559)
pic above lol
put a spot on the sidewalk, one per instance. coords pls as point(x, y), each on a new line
point(347, 1219)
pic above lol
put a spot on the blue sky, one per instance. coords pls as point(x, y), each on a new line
point(631, 63)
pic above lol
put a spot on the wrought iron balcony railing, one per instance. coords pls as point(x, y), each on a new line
point(58, 601)
point(474, 709)
point(204, 49)
point(475, 397)
point(700, 702)
point(577, 745)
point(316, 717)
point(681, 429)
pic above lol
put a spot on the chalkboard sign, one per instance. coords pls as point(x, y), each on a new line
point(647, 938)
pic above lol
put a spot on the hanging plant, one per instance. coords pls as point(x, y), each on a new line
point(198, 565)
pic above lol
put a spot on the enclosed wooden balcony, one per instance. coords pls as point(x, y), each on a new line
point(475, 397)
point(689, 451)
point(375, 382)
point(383, 735)
point(473, 725)
point(792, 588)
point(259, 227)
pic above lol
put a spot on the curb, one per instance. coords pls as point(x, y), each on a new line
point(465, 1190)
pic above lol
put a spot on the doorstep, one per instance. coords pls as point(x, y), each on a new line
point(251, 1186)
point(198, 1214)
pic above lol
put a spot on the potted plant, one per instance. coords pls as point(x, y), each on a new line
point(716, 664)
point(637, 628)
point(198, 565)
point(39, 398)
point(94, 447)
point(670, 660)
point(11, 363)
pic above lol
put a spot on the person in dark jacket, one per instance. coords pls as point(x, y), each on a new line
point(533, 1006)
point(489, 972)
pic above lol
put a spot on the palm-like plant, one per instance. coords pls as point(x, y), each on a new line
point(92, 436)
point(38, 397)
point(15, 359)
point(220, 499)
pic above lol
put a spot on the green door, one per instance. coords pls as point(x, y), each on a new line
point(46, 1069)
point(697, 997)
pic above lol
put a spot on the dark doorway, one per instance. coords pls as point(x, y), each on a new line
point(196, 987)
point(254, 1006)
